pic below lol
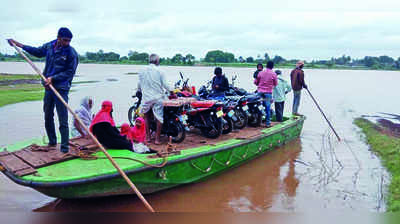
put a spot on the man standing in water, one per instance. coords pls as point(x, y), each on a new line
point(153, 86)
point(59, 70)
point(297, 78)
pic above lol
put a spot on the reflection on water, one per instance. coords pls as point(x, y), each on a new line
point(307, 175)
point(250, 187)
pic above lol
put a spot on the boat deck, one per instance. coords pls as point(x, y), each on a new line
point(27, 160)
point(195, 139)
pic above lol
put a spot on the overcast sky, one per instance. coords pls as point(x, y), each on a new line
point(293, 29)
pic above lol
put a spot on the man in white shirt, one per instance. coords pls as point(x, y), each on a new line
point(154, 90)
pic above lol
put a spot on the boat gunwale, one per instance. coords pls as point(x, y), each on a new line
point(36, 184)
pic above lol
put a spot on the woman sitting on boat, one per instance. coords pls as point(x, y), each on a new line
point(136, 135)
point(103, 127)
point(138, 132)
point(85, 114)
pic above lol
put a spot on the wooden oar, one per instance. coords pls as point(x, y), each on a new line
point(134, 188)
point(323, 114)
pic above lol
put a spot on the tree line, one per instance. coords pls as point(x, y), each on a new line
point(218, 56)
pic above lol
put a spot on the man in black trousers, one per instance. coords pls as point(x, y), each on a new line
point(59, 70)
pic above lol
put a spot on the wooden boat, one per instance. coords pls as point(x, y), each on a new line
point(198, 160)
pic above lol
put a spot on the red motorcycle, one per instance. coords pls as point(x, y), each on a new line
point(206, 116)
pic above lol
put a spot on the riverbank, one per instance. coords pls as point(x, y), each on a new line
point(232, 65)
point(386, 143)
point(16, 88)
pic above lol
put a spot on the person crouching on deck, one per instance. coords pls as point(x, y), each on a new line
point(136, 135)
point(153, 86)
point(103, 127)
point(85, 114)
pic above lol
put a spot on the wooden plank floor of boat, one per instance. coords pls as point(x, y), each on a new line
point(25, 161)
point(195, 139)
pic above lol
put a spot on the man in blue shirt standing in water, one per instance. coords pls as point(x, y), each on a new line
point(59, 70)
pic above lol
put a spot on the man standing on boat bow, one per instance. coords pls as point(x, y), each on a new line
point(59, 70)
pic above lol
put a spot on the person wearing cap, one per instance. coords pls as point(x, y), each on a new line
point(279, 95)
point(297, 80)
point(59, 70)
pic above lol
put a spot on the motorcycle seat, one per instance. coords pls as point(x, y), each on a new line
point(203, 104)
point(253, 99)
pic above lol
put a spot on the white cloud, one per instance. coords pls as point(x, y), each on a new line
point(294, 29)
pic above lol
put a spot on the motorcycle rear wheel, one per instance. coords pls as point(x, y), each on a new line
point(228, 126)
point(241, 119)
point(214, 130)
point(255, 120)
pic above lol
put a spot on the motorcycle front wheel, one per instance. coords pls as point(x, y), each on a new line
point(132, 115)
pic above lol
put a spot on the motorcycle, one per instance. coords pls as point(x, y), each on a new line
point(256, 110)
point(229, 118)
point(206, 116)
point(184, 90)
point(173, 122)
point(236, 109)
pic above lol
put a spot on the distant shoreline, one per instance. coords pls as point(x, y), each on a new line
point(232, 65)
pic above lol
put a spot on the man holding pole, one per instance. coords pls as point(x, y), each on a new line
point(59, 70)
point(297, 79)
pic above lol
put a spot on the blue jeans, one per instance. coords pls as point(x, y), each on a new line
point(266, 99)
point(50, 101)
point(296, 101)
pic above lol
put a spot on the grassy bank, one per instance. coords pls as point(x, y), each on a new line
point(388, 149)
point(15, 88)
point(20, 93)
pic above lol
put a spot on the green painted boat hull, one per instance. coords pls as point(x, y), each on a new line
point(186, 169)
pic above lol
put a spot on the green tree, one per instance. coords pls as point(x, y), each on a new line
point(219, 56)
point(266, 57)
point(177, 59)
point(189, 59)
point(371, 61)
point(136, 56)
point(250, 60)
point(278, 59)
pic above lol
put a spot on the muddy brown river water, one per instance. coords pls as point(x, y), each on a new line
point(312, 173)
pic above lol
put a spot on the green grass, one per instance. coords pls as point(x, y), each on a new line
point(12, 77)
point(388, 149)
point(20, 93)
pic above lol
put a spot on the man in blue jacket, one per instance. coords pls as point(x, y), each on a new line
point(59, 70)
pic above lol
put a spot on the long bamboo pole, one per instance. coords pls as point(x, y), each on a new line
point(323, 114)
point(134, 188)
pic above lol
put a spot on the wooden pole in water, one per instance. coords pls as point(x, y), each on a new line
point(323, 114)
point(120, 171)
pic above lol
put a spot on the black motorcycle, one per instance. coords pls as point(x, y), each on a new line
point(173, 120)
